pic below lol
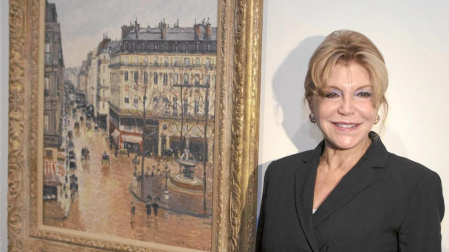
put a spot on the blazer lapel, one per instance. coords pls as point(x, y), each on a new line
point(304, 187)
point(354, 182)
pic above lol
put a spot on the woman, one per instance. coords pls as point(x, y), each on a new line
point(349, 193)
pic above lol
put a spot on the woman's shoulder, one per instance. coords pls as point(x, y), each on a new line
point(421, 186)
point(408, 169)
point(288, 164)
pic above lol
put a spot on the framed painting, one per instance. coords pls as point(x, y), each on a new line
point(133, 126)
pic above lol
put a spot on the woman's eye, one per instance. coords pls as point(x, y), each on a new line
point(365, 94)
point(331, 95)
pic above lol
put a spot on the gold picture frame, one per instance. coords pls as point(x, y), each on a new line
point(237, 90)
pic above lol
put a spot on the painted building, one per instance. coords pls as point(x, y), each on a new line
point(92, 76)
point(54, 170)
point(82, 85)
point(104, 84)
point(53, 79)
point(167, 76)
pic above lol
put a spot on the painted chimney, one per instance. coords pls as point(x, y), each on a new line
point(104, 42)
point(163, 27)
point(126, 30)
point(197, 28)
point(207, 30)
point(137, 27)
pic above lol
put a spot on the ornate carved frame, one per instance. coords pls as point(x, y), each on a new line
point(237, 113)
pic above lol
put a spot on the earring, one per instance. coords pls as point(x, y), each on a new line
point(377, 119)
point(312, 118)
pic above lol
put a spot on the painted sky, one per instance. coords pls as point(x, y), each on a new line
point(84, 22)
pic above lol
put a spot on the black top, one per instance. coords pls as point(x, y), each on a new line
point(384, 203)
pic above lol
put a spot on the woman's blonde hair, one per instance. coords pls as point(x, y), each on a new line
point(346, 46)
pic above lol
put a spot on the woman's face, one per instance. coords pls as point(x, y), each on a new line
point(345, 113)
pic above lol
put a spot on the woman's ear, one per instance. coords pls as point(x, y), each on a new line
point(310, 103)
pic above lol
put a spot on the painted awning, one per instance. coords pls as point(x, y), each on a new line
point(50, 174)
point(131, 139)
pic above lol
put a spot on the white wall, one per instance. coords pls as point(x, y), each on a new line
point(4, 52)
point(414, 39)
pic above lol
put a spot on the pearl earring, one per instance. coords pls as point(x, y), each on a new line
point(312, 118)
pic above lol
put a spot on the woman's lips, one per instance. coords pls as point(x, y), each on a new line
point(345, 126)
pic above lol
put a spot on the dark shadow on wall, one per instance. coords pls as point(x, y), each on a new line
point(288, 89)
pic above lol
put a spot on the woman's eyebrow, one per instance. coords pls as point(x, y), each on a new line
point(335, 87)
point(330, 87)
point(365, 86)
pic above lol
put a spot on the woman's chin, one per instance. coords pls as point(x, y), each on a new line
point(345, 143)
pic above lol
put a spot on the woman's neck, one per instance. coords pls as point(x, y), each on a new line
point(338, 159)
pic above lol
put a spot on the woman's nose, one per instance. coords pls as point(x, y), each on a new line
point(347, 105)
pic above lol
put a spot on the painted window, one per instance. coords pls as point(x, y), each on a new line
point(166, 105)
point(185, 108)
point(155, 104)
point(155, 78)
point(175, 106)
point(175, 79)
point(47, 53)
point(145, 77)
point(197, 79)
point(165, 79)
point(197, 107)
point(47, 86)
point(46, 123)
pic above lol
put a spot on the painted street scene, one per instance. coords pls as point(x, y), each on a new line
point(129, 121)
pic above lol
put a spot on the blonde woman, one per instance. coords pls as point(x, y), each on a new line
point(349, 193)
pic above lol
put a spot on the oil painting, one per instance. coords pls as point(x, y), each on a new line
point(129, 119)
point(133, 125)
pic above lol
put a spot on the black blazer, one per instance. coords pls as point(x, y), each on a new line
point(384, 203)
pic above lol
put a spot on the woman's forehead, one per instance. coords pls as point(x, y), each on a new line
point(352, 74)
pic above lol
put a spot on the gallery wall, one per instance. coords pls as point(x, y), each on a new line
point(414, 39)
point(4, 47)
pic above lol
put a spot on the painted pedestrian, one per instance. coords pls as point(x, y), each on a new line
point(133, 211)
point(148, 206)
point(155, 207)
